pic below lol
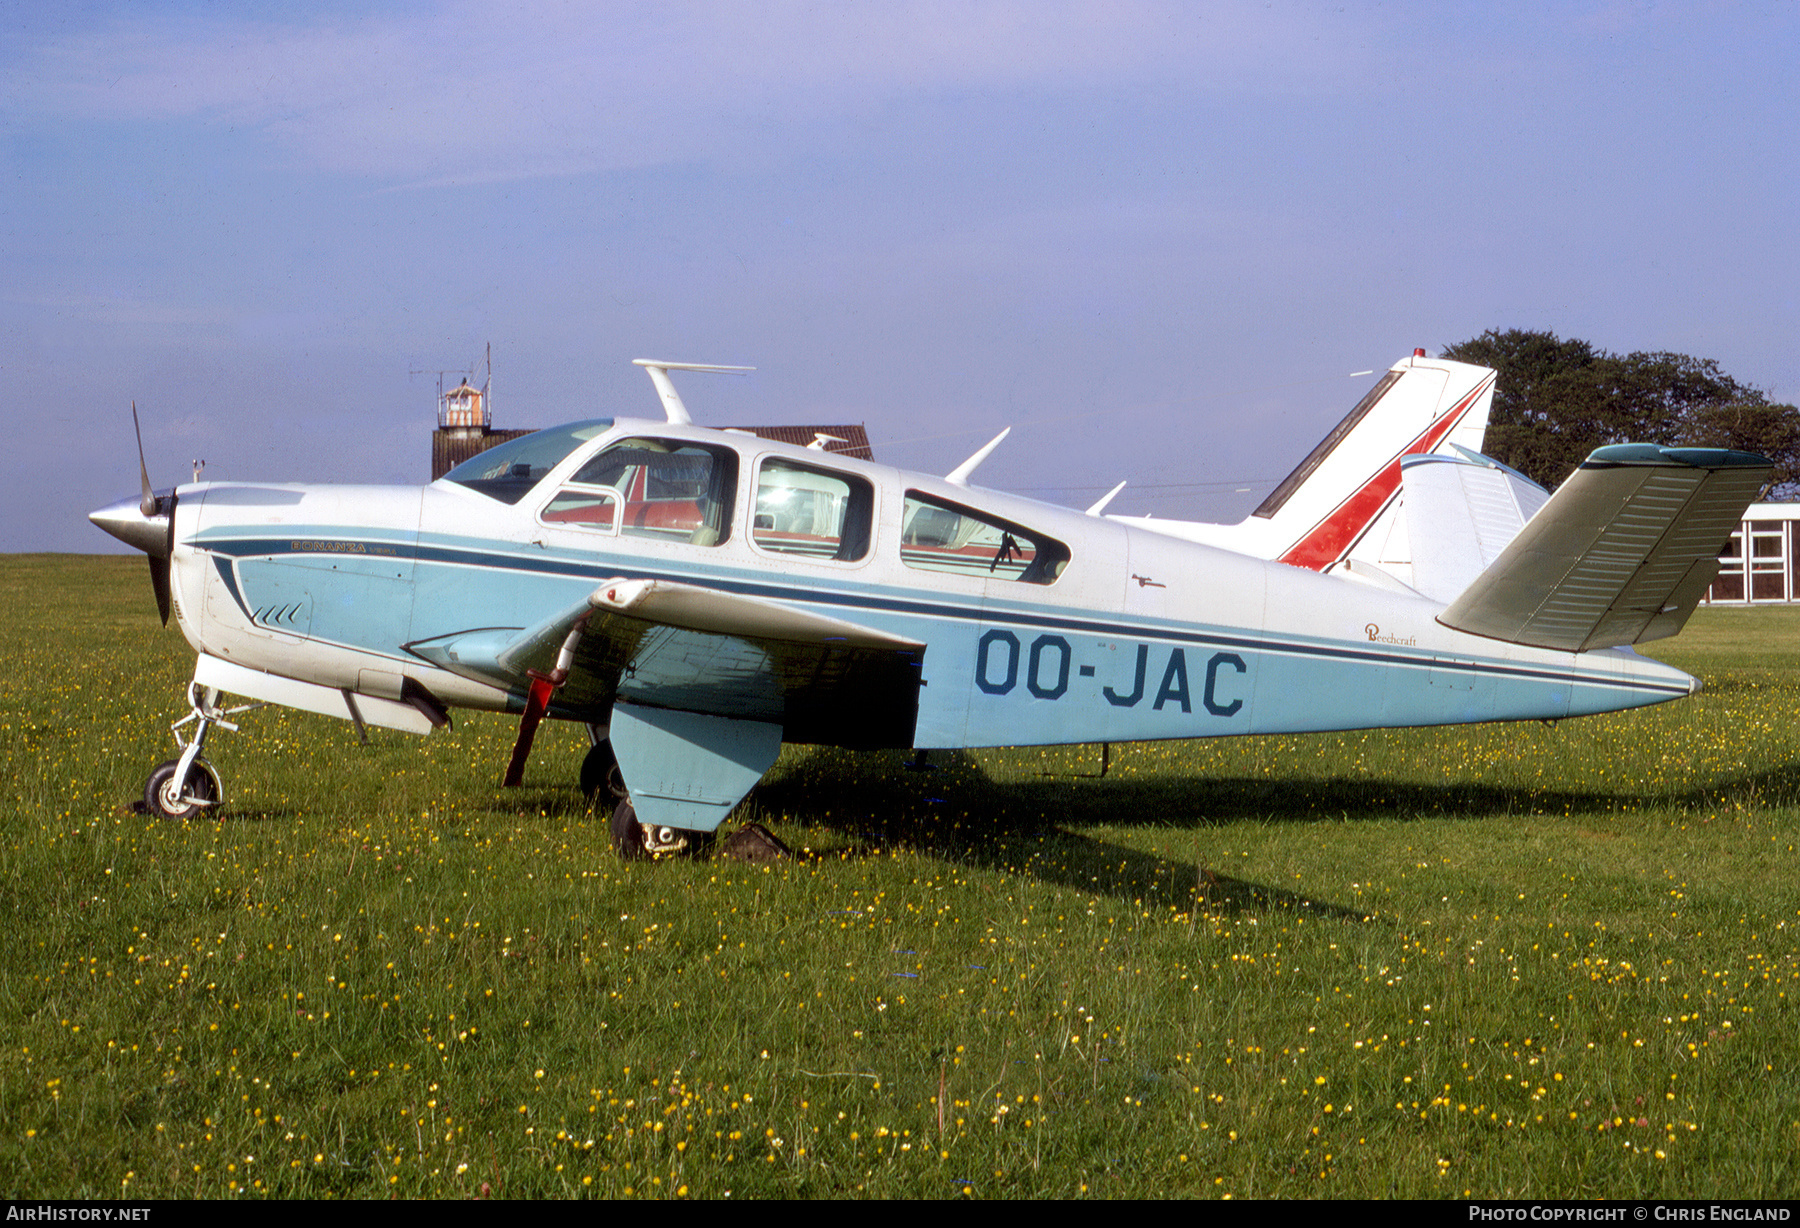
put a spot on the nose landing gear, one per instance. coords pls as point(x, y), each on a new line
point(185, 787)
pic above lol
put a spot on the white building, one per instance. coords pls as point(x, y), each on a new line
point(1767, 542)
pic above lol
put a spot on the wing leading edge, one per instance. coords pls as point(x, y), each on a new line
point(685, 647)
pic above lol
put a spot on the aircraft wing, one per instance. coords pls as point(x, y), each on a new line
point(1620, 554)
point(663, 644)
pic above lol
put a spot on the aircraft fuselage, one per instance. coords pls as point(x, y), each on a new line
point(1133, 635)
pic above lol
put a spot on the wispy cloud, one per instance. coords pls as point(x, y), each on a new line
point(473, 92)
point(119, 310)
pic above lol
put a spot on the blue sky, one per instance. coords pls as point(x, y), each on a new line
point(1156, 239)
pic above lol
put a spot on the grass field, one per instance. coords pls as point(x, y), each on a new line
point(1506, 961)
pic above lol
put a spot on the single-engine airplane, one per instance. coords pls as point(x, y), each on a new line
point(698, 597)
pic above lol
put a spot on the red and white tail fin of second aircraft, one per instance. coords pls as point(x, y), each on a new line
point(1345, 494)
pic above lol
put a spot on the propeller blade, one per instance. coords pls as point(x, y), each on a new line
point(148, 526)
point(159, 580)
point(148, 503)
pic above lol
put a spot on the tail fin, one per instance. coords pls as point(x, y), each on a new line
point(1620, 554)
point(1455, 514)
point(1345, 490)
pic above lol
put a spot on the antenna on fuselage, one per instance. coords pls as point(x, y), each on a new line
point(959, 476)
point(1105, 499)
point(659, 375)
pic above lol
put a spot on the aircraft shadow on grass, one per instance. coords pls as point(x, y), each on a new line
point(955, 810)
point(958, 812)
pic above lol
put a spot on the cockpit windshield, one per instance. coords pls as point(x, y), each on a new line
point(508, 471)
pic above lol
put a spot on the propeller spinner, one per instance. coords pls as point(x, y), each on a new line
point(145, 523)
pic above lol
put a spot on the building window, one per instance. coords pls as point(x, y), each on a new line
point(1768, 560)
point(1728, 585)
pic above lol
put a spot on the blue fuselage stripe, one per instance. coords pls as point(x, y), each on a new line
point(324, 543)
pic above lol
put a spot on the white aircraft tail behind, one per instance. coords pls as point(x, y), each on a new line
point(1345, 494)
point(1456, 514)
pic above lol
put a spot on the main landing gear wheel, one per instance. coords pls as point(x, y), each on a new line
point(600, 779)
point(172, 799)
point(632, 841)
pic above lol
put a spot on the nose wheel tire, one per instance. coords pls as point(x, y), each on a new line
point(169, 798)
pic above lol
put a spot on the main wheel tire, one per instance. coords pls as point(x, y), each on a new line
point(600, 777)
point(632, 843)
point(627, 835)
point(168, 798)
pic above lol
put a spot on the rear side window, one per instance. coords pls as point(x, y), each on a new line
point(815, 513)
point(939, 536)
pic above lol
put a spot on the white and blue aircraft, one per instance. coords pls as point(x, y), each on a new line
point(698, 597)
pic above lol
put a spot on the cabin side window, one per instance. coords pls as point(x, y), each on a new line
point(585, 506)
point(811, 512)
point(938, 536)
point(666, 489)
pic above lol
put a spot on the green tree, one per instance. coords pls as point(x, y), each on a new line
point(1556, 400)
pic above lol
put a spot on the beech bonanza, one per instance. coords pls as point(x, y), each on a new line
point(698, 597)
